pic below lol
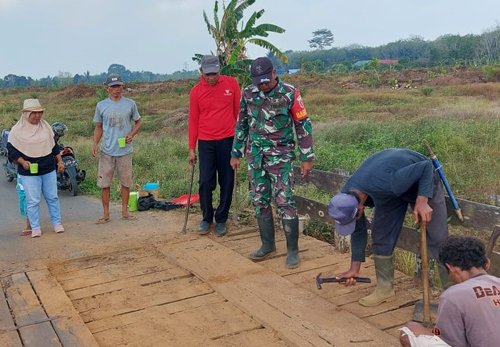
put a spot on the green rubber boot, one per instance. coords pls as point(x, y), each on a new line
point(266, 231)
point(291, 228)
point(384, 292)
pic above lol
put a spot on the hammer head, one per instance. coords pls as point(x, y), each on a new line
point(319, 280)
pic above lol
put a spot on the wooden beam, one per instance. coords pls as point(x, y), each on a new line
point(69, 326)
point(476, 215)
point(409, 239)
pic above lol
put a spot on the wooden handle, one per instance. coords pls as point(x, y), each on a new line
point(425, 274)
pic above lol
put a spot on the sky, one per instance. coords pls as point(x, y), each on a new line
point(40, 38)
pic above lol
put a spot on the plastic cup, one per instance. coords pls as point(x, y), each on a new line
point(132, 201)
point(33, 168)
point(121, 142)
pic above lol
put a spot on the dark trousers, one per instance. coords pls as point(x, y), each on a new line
point(214, 157)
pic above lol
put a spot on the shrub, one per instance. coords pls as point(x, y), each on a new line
point(426, 91)
point(492, 72)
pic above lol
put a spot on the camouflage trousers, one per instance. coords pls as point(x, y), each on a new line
point(273, 180)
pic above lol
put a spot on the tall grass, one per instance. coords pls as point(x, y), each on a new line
point(461, 122)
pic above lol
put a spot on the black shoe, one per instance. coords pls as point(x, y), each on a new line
point(220, 229)
point(204, 227)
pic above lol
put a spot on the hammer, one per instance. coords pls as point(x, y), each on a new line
point(320, 280)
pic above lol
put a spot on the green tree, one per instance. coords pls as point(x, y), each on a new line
point(321, 38)
point(232, 35)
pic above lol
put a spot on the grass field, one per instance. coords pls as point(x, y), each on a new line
point(460, 121)
point(460, 118)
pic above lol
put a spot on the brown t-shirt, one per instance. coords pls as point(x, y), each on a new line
point(469, 313)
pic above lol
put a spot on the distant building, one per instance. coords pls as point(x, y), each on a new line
point(361, 63)
point(388, 61)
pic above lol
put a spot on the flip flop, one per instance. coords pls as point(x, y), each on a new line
point(102, 220)
point(129, 217)
point(25, 233)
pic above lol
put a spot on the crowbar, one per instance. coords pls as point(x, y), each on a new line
point(189, 199)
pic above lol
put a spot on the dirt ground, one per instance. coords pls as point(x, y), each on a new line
point(144, 283)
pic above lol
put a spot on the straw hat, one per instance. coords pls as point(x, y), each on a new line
point(32, 105)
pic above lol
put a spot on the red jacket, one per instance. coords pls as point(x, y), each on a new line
point(213, 110)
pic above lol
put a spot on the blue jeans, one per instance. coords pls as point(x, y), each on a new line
point(34, 187)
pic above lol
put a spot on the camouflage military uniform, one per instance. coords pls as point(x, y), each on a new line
point(267, 121)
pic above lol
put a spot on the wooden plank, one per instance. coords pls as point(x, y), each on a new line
point(6, 321)
point(331, 182)
point(79, 264)
point(391, 319)
point(23, 301)
point(10, 338)
point(137, 281)
point(299, 317)
point(495, 264)
point(256, 337)
point(139, 297)
point(126, 319)
point(342, 296)
point(211, 322)
point(40, 334)
point(407, 295)
point(408, 240)
point(476, 215)
point(112, 272)
point(69, 326)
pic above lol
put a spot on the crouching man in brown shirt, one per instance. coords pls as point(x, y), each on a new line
point(469, 312)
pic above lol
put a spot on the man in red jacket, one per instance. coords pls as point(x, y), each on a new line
point(213, 109)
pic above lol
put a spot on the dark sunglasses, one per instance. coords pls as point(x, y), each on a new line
point(211, 74)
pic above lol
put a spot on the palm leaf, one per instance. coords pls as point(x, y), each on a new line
point(269, 46)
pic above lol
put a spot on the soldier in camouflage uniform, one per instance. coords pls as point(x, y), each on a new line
point(270, 110)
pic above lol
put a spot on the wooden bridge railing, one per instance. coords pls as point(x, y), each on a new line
point(477, 216)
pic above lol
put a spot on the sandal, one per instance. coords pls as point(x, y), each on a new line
point(103, 220)
point(26, 232)
point(129, 217)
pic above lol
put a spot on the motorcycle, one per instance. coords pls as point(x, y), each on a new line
point(3, 142)
point(69, 179)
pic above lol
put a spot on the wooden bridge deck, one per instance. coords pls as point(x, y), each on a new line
point(193, 290)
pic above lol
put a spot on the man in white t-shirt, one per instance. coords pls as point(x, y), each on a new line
point(117, 121)
point(469, 311)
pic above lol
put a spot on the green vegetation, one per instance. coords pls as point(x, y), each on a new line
point(351, 121)
point(460, 122)
point(232, 35)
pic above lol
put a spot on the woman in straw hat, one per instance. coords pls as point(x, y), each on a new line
point(31, 145)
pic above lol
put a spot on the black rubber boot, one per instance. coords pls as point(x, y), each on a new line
point(291, 228)
point(266, 231)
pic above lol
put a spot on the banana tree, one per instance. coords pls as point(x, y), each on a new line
point(232, 35)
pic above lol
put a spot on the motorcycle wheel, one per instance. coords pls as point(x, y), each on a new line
point(73, 184)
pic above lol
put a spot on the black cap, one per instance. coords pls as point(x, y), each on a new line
point(113, 79)
point(261, 71)
point(210, 64)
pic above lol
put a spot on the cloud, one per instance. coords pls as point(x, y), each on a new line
point(8, 4)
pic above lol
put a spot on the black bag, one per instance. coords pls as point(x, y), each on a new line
point(166, 206)
point(144, 203)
